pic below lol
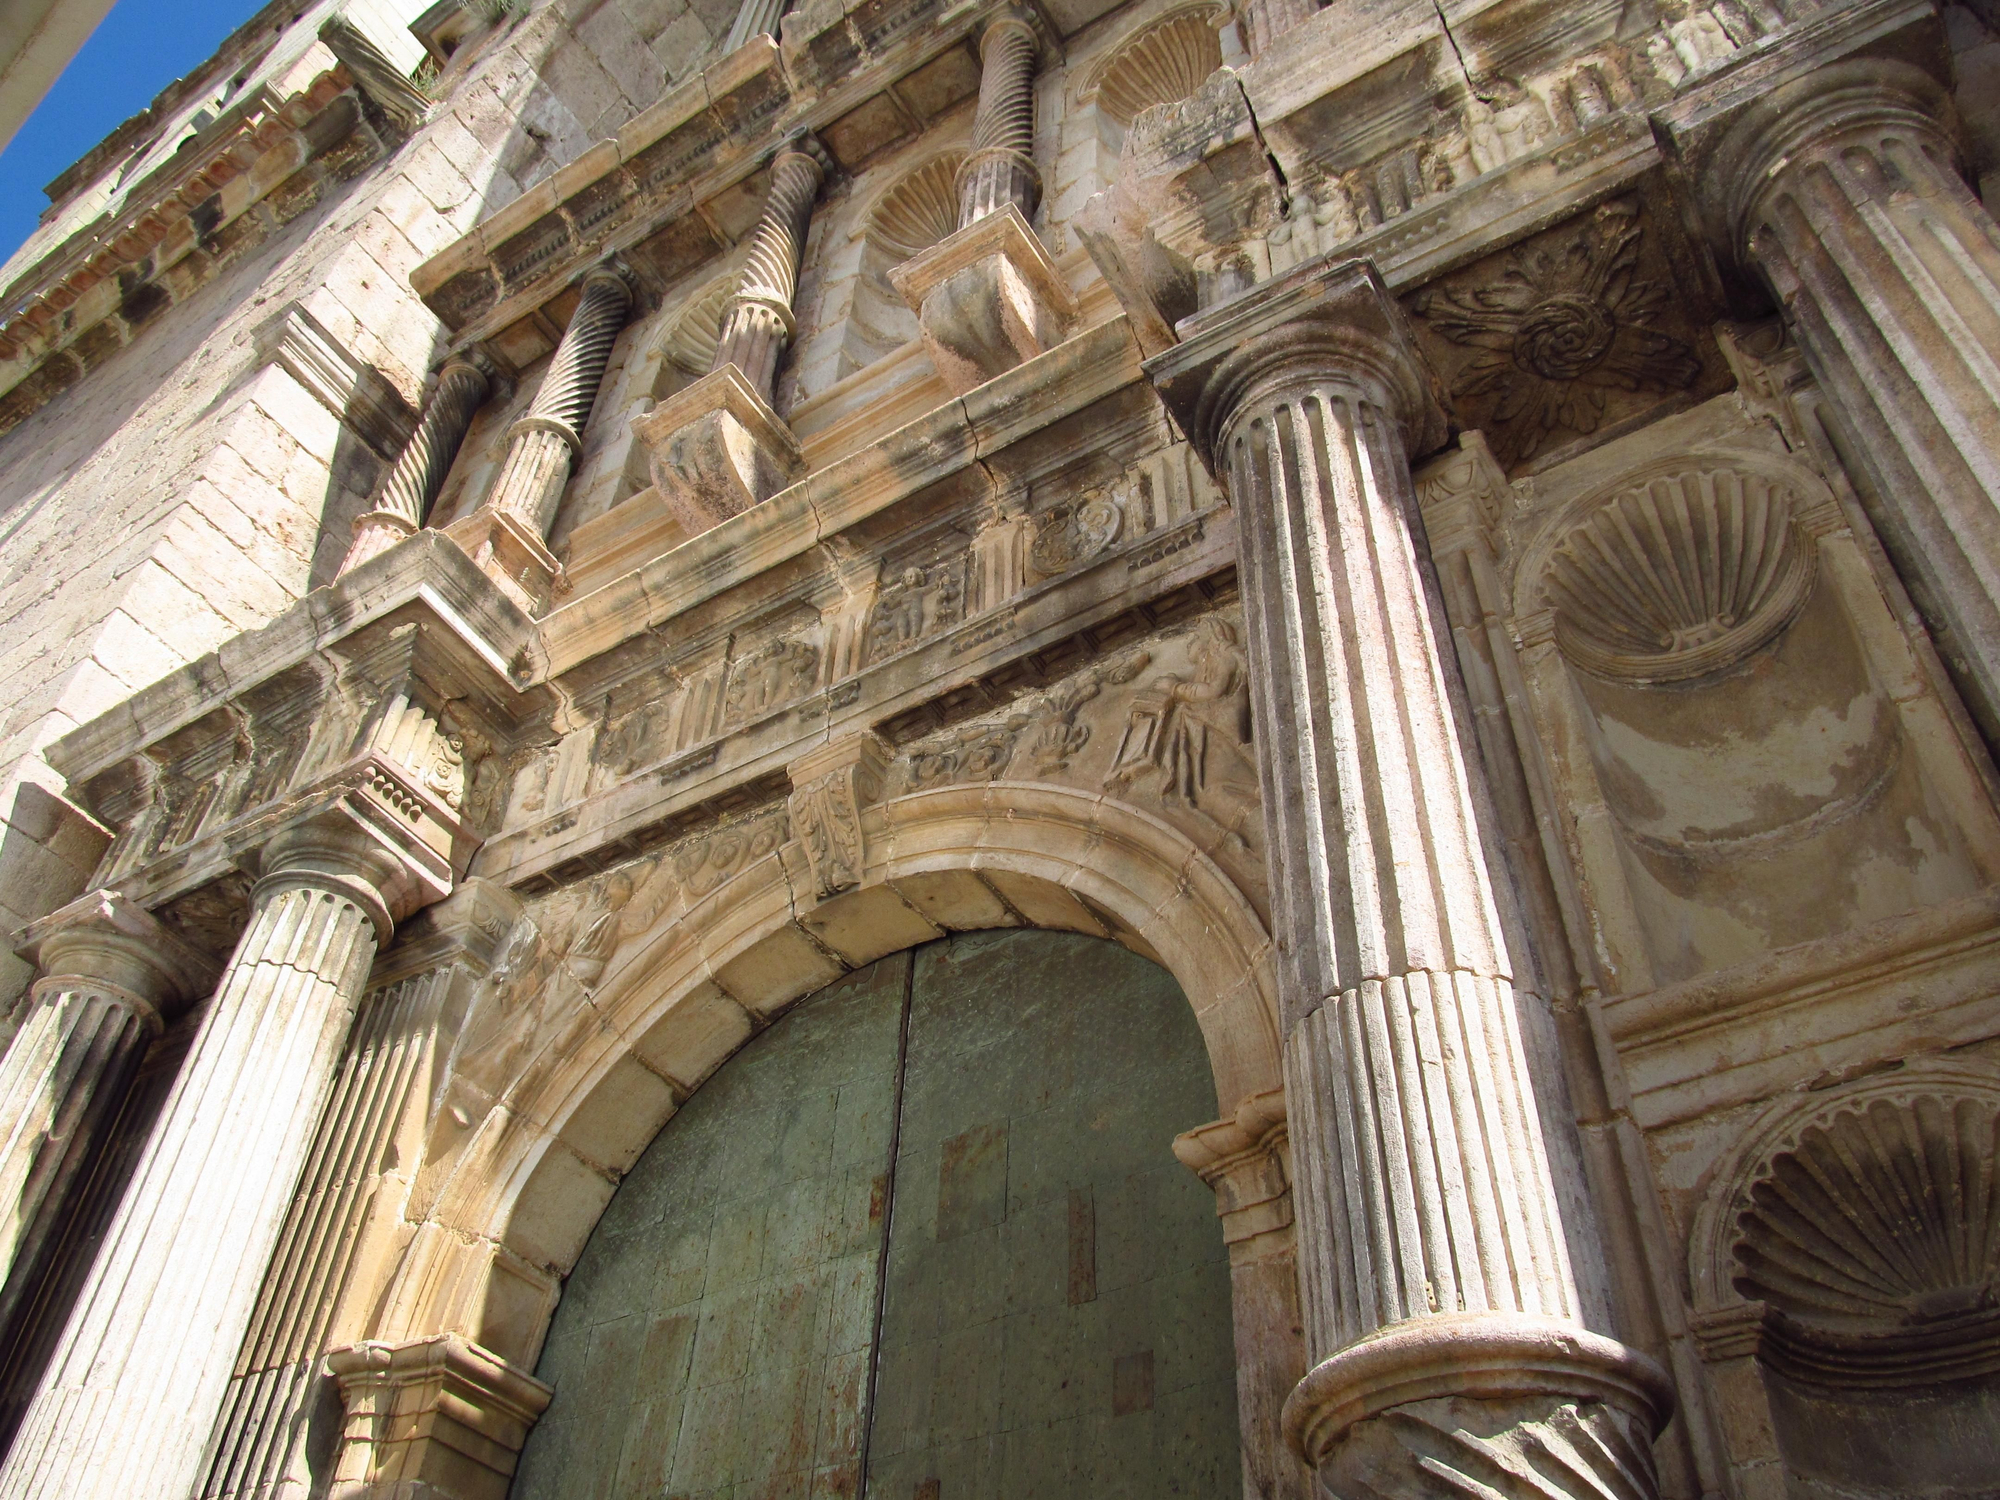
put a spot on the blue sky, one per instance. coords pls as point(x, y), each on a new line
point(137, 50)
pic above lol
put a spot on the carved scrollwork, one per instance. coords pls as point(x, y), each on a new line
point(706, 862)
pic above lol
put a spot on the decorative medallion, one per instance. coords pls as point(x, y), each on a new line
point(1073, 534)
point(1565, 322)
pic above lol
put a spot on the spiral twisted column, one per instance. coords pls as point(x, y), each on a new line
point(135, 1385)
point(403, 501)
point(112, 980)
point(1000, 167)
point(757, 325)
point(754, 18)
point(1841, 190)
point(546, 441)
point(1442, 1317)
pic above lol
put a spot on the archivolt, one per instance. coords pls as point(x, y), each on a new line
point(677, 1001)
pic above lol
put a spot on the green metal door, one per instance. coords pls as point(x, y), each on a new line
point(926, 1227)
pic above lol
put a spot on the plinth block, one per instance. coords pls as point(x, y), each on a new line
point(987, 298)
point(717, 449)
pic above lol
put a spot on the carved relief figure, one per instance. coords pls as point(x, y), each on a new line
point(917, 603)
point(770, 677)
point(1184, 727)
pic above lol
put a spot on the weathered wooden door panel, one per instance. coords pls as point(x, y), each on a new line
point(1056, 1314)
point(713, 1340)
point(1056, 1318)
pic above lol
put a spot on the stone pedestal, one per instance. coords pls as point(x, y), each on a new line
point(112, 980)
point(717, 449)
point(1840, 189)
point(987, 298)
point(136, 1384)
point(439, 1418)
point(510, 552)
point(1440, 1311)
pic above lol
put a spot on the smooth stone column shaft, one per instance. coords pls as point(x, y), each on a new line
point(403, 502)
point(546, 441)
point(135, 1385)
point(1844, 196)
point(757, 325)
point(1437, 1293)
point(1000, 167)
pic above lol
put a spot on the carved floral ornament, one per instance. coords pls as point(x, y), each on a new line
point(1566, 320)
point(1682, 573)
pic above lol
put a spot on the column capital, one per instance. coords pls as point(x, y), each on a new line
point(114, 944)
point(438, 1416)
point(804, 144)
point(1010, 20)
point(1328, 320)
point(373, 833)
point(1860, 100)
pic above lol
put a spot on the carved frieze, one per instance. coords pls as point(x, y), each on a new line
point(705, 862)
point(768, 678)
point(1554, 339)
point(1071, 533)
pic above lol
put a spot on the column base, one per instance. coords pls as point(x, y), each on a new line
point(987, 298)
point(510, 552)
point(717, 449)
point(1500, 1404)
point(375, 532)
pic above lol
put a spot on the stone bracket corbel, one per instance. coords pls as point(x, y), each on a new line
point(716, 449)
point(436, 1416)
point(831, 786)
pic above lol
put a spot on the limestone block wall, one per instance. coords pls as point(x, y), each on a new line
point(201, 478)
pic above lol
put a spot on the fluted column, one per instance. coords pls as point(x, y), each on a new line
point(545, 442)
point(112, 980)
point(1441, 1314)
point(757, 325)
point(403, 502)
point(134, 1388)
point(1841, 190)
point(1000, 167)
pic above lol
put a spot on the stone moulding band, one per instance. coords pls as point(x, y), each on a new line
point(1478, 1355)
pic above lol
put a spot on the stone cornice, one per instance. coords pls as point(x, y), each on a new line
point(76, 304)
point(943, 442)
point(663, 193)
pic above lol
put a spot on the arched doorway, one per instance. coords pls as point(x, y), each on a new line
point(927, 1226)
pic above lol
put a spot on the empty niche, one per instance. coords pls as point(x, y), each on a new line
point(1871, 1240)
point(913, 213)
point(1161, 62)
point(1755, 772)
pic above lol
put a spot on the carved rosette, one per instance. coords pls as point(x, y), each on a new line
point(1559, 326)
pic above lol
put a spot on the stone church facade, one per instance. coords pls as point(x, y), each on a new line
point(947, 747)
